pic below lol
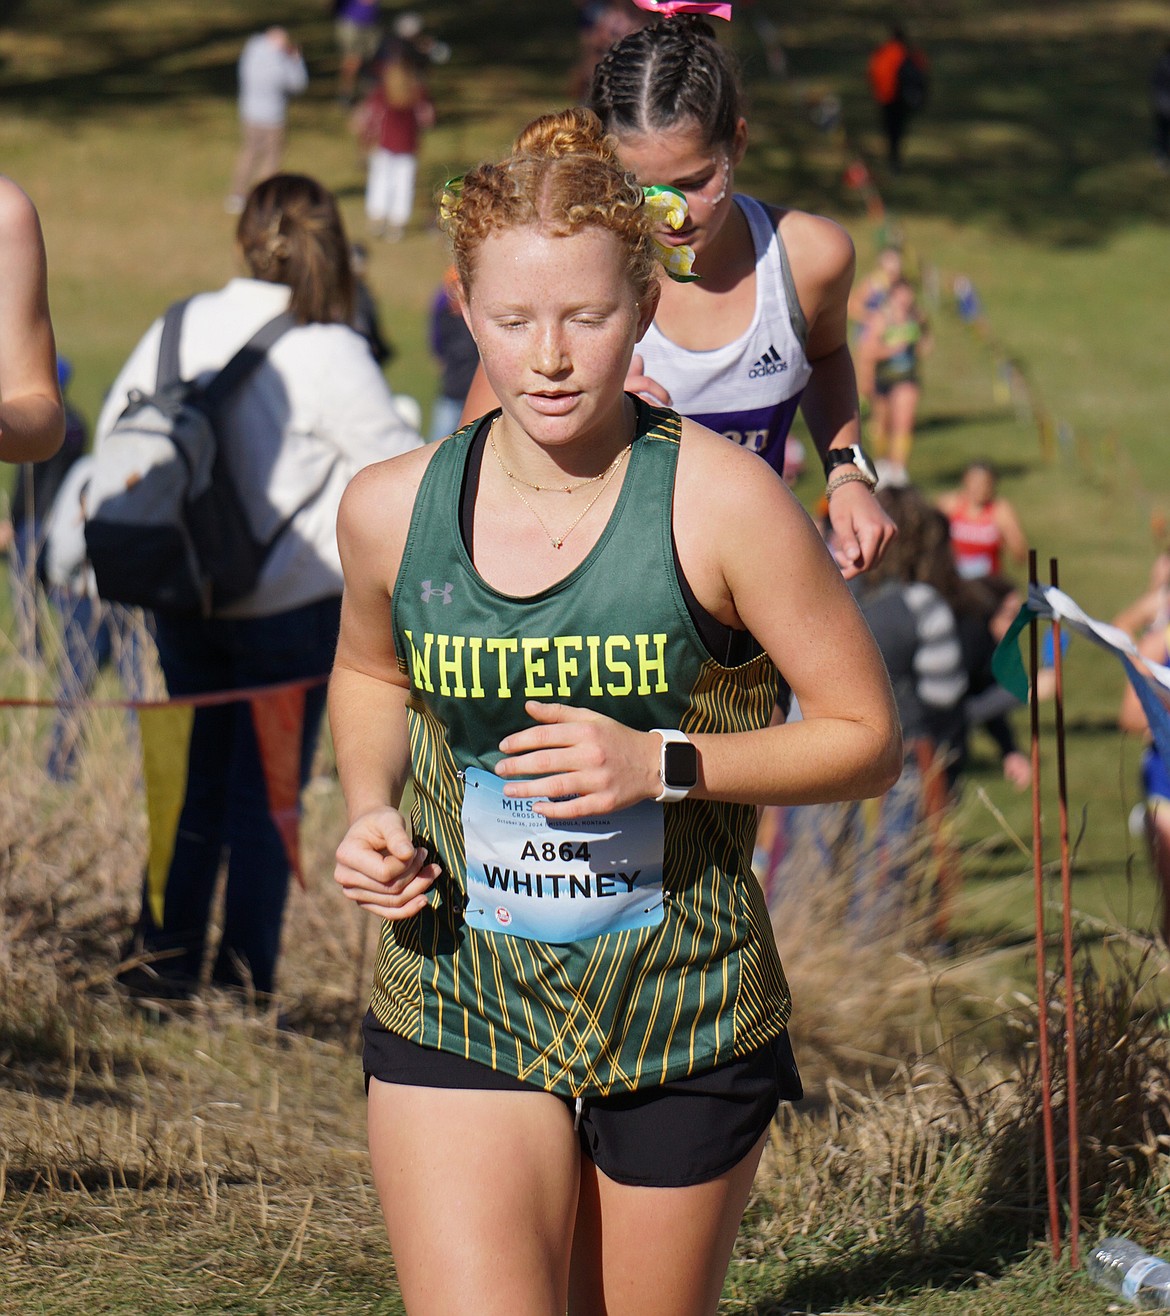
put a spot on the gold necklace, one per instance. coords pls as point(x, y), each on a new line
point(605, 477)
point(548, 488)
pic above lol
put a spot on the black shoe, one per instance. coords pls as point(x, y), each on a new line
point(142, 981)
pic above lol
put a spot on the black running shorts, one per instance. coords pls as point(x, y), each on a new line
point(686, 1132)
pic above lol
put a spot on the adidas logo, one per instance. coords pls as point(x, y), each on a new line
point(771, 363)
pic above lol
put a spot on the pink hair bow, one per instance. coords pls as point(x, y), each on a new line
point(685, 7)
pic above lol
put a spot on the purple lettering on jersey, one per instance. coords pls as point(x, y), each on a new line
point(762, 429)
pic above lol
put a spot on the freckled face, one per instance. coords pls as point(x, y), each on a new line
point(556, 319)
point(681, 158)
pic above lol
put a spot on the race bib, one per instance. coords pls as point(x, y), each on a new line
point(558, 880)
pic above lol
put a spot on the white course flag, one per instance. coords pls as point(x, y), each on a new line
point(1150, 680)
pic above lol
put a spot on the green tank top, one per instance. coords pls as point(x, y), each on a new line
point(626, 1009)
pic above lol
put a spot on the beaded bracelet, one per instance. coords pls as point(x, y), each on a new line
point(847, 477)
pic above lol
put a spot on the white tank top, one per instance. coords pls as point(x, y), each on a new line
point(748, 389)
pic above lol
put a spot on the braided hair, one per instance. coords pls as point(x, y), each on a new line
point(669, 75)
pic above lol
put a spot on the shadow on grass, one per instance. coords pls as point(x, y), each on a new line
point(949, 420)
point(151, 64)
point(889, 1273)
point(1036, 121)
point(1044, 131)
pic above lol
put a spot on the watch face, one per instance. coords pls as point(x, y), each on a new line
point(680, 765)
point(862, 462)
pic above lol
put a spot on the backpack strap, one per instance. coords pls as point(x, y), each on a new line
point(246, 360)
point(168, 348)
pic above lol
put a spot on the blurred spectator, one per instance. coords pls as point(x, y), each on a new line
point(94, 632)
point(410, 39)
point(987, 704)
point(794, 460)
point(896, 337)
point(1147, 620)
point(357, 27)
point(601, 24)
point(302, 425)
point(982, 524)
point(271, 70)
point(897, 78)
point(366, 319)
point(883, 843)
point(1160, 103)
point(455, 350)
point(916, 632)
point(983, 610)
point(870, 294)
point(389, 124)
point(769, 35)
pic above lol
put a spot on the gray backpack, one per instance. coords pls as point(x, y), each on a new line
point(165, 525)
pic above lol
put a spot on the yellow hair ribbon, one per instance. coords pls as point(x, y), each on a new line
point(667, 205)
point(450, 197)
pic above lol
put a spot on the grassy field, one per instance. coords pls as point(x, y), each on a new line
point(215, 1163)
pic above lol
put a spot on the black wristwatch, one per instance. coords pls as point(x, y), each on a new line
point(852, 456)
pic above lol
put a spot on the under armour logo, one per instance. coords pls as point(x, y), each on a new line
point(429, 592)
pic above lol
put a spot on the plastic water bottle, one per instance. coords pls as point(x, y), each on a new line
point(1123, 1268)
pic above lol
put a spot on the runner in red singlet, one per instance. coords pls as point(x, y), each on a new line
point(982, 524)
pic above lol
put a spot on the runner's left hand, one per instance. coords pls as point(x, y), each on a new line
point(574, 751)
point(862, 530)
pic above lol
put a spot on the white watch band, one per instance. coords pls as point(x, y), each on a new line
point(670, 794)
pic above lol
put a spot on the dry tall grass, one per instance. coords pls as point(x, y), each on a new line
point(241, 1145)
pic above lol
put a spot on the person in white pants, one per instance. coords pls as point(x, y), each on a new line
point(390, 124)
point(390, 190)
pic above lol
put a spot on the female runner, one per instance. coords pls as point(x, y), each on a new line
point(897, 337)
point(555, 621)
point(763, 329)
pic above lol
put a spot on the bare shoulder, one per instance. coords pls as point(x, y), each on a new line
point(374, 517)
point(382, 495)
point(734, 518)
point(820, 250)
point(720, 479)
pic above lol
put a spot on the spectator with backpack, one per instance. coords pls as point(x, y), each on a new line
point(898, 80)
point(307, 408)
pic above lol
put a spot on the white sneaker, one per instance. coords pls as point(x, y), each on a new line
point(890, 475)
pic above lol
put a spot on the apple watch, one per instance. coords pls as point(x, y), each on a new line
point(678, 768)
point(851, 456)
